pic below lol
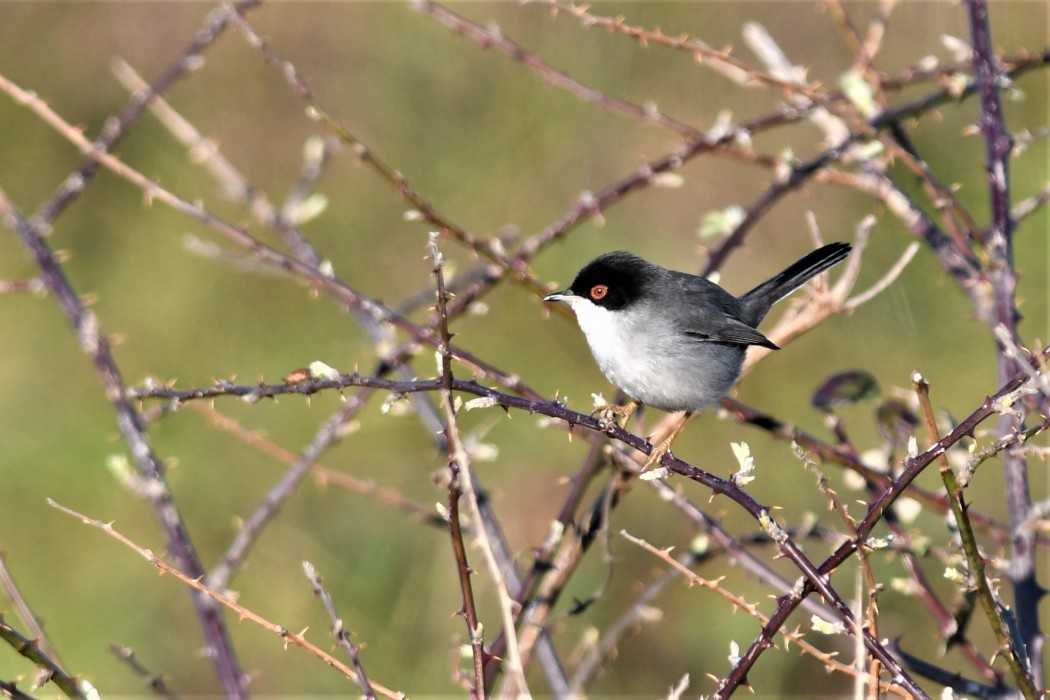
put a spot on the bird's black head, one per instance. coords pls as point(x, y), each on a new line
point(614, 280)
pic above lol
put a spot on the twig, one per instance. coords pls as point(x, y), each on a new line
point(885, 281)
point(561, 528)
point(283, 221)
point(330, 432)
point(1016, 658)
point(734, 546)
point(214, 25)
point(721, 60)
point(751, 609)
point(459, 484)
point(1027, 207)
point(789, 79)
point(294, 638)
point(956, 682)
point(95, 345)
point(30, 650)
point(999, 311)
point(322, 474)
point(29, 619)
point(865, 580)
point(395, 179)
point(10, 689)
point(339, 630)
point(494, 38)
point(239, 236)
point(234, 185)
point(911, 469)
point(155, 682)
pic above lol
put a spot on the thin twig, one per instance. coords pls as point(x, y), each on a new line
point(911, 469)
point(29, 619)
point(240, 237)
point(459, 483)
point(394, 178)
point(494, 38)
point(1016, 659)
point(189, 59)
point(155, 682)
point(330, 432)
point(96, 346)
point(1000, 313)
point(339, 630)
point(738, 603)
point(294, 638)
point(30, 650)
point(322, 474)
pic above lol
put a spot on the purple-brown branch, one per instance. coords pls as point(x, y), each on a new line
point(95, 345)
point(816, 576)
point(1003, 314)
point(912, 468)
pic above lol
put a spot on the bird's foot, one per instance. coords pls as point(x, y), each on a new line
point(664, 446)
point(608, 412)
point(658, 452)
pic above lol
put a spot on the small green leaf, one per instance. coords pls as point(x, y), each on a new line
point(721, 222)
point(859, 92)
point(825, 627)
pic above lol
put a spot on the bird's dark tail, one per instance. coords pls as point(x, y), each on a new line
point(759, 300)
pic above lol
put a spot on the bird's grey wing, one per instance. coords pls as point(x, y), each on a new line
point(733, 331)
point(711, 314)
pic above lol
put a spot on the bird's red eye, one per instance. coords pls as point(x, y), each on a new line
point(599, 291)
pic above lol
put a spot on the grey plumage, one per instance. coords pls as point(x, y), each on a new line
point(673, 340)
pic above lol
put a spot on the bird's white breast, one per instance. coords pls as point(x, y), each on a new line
point(652, 363)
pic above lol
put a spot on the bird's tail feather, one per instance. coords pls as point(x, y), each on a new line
point(760, 299)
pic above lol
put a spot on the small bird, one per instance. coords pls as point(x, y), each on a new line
point(672, 340)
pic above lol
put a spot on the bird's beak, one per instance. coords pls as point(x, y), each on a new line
point(565, 295)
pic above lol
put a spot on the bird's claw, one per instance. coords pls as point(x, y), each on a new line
point(658, 452)
point(608, 413)
point(664, 446)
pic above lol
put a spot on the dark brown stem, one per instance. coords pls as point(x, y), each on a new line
point(459, 472)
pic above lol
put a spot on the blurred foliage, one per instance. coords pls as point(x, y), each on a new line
point(494, 149)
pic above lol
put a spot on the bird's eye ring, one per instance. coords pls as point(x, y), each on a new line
point(599, 291)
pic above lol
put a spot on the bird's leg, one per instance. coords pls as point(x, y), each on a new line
point(665, 445)
point(607, 412)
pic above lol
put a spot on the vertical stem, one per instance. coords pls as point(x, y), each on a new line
point(1002, 314)
point(1015, 658)
point(459, 476)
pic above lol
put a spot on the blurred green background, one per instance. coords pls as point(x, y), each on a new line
point(491, 147)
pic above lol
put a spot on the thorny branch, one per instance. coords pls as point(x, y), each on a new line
point(911, 468)
point(976, 259)
point(459, 482)
point(287, 636)
point(1000, 313)
point(977, 579)
point(815, 580)
point(95, 345)
point(28, 648)
point(340, 632)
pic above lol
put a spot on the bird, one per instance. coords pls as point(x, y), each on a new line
point(672, 340)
